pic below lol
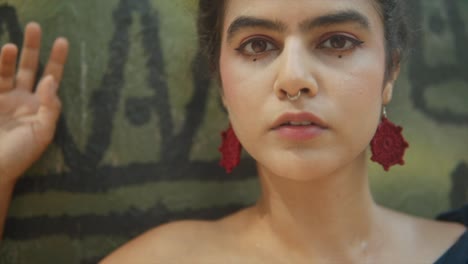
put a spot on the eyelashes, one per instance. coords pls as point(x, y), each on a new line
point(256, 46)
point(339, 44)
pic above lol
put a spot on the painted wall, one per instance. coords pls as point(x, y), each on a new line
point(137, 142)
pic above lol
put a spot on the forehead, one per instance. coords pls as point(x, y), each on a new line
point(294, 12)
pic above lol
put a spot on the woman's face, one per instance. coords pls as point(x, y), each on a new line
point(331, 51)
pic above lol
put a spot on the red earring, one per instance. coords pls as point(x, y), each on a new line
point(388, 145)
point(230, 150)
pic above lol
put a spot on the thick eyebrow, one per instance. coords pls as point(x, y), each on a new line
point(342, 17)
point(253, 22)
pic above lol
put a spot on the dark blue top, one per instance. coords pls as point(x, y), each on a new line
point(458, 252)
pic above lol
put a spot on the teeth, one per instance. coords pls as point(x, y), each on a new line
point(303, 123)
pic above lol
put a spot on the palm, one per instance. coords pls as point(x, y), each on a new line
point(27, 118)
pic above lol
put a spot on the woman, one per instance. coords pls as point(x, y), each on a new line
point(304, 83)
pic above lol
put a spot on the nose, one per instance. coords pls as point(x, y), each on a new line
point(295, 75)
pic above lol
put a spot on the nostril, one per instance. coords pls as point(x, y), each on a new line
point(294, 94)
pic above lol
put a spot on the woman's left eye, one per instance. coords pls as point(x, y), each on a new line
point(340, 43)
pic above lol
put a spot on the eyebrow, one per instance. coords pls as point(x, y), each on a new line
point(341, 17)
point(253, 22)
point(347, 16)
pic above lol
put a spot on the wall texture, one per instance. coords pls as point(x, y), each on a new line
point(137, 142)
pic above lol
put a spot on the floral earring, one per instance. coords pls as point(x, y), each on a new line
point(230, 150)
point(388, 145)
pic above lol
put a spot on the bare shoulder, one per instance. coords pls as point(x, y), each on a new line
point(430, 238)
point(185, 242)
point(167, 243)
point(443, 234)
point(438, 237)
point(428, 228)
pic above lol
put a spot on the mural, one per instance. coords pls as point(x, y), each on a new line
point(136, 144)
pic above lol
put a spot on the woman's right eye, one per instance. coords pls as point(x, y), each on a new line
point(256, 46)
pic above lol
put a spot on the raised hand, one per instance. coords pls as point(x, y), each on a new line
point(27, 118)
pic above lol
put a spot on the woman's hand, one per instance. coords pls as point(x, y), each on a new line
point(27, 118)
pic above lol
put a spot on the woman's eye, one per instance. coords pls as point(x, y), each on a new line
point(340, 43)
point(256, 46)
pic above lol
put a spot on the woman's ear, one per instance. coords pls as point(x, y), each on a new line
point(223, 100)
point(221, 90)
point(221, 95)
point(387, 93)
point(388, 89)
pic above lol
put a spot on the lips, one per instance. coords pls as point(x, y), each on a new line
point(299, 126)
point(302, 119)
point(303, 123)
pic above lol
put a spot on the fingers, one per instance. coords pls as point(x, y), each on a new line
point(29, 61)
point(29, 57)
point(50, 105)
point(57, 59)
point(7, 67)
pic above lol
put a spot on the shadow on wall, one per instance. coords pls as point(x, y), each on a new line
point(423, 76)
point(459, 192)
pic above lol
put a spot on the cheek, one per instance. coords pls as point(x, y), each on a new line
point(230, 80)
point(363, 82)
point(360, 97)
point(247, 89)
point(227, 77)
point(243, 84)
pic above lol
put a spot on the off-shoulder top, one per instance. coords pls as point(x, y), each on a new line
point(458, 252)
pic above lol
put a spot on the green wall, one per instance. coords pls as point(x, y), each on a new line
point(137, 142)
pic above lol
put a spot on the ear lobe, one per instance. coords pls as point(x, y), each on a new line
point(388, 89)
point(221, 91)
point(223, 99)
point(387, 93)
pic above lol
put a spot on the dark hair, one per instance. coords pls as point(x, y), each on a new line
point(396, 29)
point(392, 12)
point(209, 26)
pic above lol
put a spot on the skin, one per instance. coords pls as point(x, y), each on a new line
point(315, 206)
point(27, 119)
point(335, 89)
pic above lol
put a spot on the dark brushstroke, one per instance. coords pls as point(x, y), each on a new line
point(424, 76)
point(9, 18)
point(103, 104)
point(86, 175)
point(128, 224)
point(107, 178)
point(156, 76)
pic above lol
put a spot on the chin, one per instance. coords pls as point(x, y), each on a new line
point(309, 164)
point(303, 171)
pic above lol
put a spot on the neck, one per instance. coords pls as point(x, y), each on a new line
point(331, 212)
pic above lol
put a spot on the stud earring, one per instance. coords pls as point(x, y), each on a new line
point(388, 145)
point(230, 150)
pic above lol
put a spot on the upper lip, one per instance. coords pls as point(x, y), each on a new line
point(298, 117)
